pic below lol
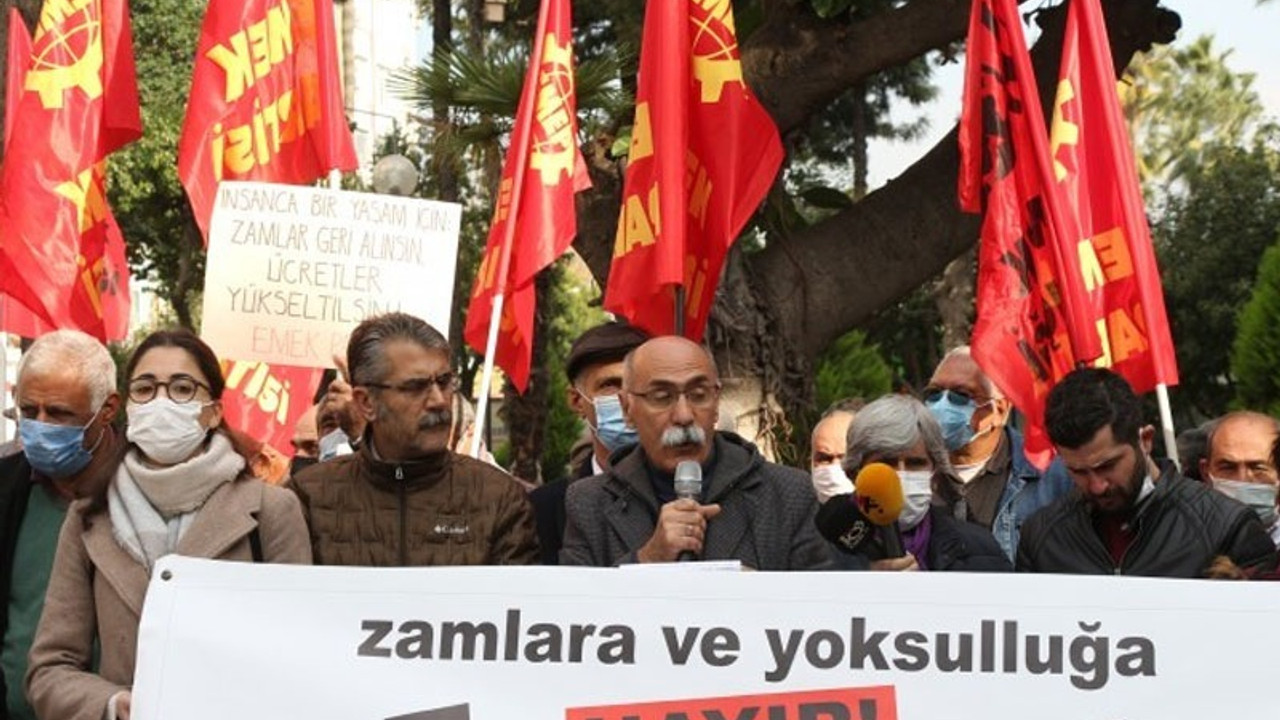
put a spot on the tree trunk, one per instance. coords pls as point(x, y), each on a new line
point(188, 279)
point(954, 295)
point(526, 415)
point(475, 27)
point(442, 42)
point(860, 133)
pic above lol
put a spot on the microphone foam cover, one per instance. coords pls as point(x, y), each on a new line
point(878, 492)
point(688, 479)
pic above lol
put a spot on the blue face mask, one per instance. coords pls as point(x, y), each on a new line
point(954, 418)
point(611, 428)
point(56, 451)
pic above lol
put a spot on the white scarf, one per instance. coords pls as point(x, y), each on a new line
point(152, 508)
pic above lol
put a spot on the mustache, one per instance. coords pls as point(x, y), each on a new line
point(683, 435)
point(435, 418)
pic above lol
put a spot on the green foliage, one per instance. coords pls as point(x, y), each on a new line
point(1180, 101)
point(851, 367)
point(483, 92)
point(830, 8)
point(1255, 356)
point(569, 307)
point(1209, 242)
point(144, 191)
point(911, 334)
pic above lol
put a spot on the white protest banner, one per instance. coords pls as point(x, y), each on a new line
point(223, 640)
point(292, 270)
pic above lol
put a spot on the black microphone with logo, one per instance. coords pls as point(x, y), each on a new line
point(688, 485)
point(864, 522)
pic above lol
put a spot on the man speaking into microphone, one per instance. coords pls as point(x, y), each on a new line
point(898, 431)
point(744, 508)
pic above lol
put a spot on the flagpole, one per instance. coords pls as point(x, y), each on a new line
point(524, 114)
point(4, 369)
point(680, 310)
point(1166, 424)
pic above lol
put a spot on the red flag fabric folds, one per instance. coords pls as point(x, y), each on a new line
point(703, 155)
point(1030, 329)
point(19, 58)
point(533, 220)
point(266, 99)
point(61, 252)
point(14, 316)
point(265, 401)
point(1094, 163)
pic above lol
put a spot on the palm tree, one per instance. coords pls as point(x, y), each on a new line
point(1178, 101)
point(472, 99)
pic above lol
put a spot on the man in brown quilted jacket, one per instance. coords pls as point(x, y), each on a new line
point(404, 498)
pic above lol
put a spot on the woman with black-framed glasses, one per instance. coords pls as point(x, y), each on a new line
point(183, 486)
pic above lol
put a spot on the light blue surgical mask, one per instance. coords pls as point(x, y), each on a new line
point(57, 451)
point(611, 427)
point(954, 412)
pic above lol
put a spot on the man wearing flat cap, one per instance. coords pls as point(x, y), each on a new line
point(594, 367)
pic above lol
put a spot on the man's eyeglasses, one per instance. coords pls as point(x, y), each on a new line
point(418, 387)
point(700, 396)
point(179, 388)
point(955, 397)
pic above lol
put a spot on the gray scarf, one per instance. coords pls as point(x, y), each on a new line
point(151, 508)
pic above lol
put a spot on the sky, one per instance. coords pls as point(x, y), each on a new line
point(1242, 26)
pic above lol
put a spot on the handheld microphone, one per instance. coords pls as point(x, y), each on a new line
point(864, 522)
point(688, 482)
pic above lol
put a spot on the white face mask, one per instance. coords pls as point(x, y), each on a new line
point(165, 431)
point(917, 494)
point(1259, 496)
point(829, 480)
point(333, 444)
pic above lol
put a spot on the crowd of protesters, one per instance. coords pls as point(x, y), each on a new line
point(89, 501)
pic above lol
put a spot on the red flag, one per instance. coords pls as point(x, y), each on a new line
point(19, 59)
point(265, 401)
point(1030, 328)
point(266, 101)
point(61, 252)
point(14, 316)
point(1095, 165)
point(533, 220)
point(703, 154)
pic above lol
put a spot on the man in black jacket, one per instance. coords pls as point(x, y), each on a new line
point(594, 367)
point(749, 509)
point(1127, 516)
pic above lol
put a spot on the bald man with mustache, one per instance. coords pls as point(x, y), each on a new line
point(750, 509)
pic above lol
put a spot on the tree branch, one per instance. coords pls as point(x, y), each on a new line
point(877, 251)
point(797, 62)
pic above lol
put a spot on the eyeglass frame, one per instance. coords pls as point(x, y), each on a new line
point(679, 392)
point(157, 384)
point(445, 382)
point(932, 392)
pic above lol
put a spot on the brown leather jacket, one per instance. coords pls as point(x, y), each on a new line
point(445, 510)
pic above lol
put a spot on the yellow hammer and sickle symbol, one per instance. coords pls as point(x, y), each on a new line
point(554, 154)
point(84, 72)
point(1064, 132)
